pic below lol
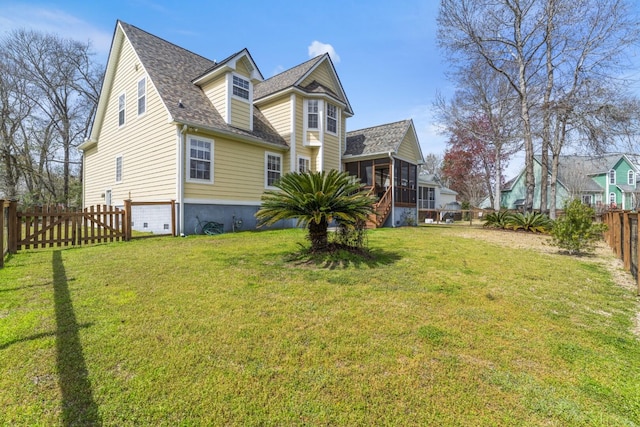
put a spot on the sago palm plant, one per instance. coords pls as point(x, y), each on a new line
point(314, 199)
point(535, 222)
point(498, 219)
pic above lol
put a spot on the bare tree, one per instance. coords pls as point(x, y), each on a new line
point(432, 164)
point(559, 57)
point(60, 83)
point(485, 107)
point(507, 36)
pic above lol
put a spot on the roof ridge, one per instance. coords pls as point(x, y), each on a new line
point(165, 41)
point(295, 66)
point(379, 126)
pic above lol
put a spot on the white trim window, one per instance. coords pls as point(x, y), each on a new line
point(612, 199)
point(304, 164)
point(312, 114)
point(241, 87)
point(122, 105)
point(200, 158)
point(142, 96)
point(612, 177)
point(272, 169)
point(631, 178)
point(332, 119)
point(119, 169)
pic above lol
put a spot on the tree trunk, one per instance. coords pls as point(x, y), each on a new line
point(318, 235)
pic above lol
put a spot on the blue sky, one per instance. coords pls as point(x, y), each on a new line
point(384, 51)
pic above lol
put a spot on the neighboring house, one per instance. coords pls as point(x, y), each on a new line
point(607, 181)
point(386, 159)
point(213, 136)
point(432, 194)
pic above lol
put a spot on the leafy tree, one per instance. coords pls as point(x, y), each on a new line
point(469, 164)
point(576, 231)
point(314, 199)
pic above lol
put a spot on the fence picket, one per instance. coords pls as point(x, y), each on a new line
point(56, 226)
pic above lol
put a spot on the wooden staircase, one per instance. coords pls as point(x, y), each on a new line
point(382, 209)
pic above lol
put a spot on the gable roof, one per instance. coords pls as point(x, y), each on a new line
point(293, 78)
point(380, 139)
point(171, 70)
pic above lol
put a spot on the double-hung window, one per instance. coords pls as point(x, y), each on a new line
point(200, 159)
point(119, 169)
point(312, 114)
point(273, 168)
point(121, 109)
point(240, 87)
point(332, 118)
point(631, 178)
point(304, 164)
point(142, 96)
point(612, 177)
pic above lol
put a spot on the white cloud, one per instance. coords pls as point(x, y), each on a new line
point(318, 48)
point(54, 21)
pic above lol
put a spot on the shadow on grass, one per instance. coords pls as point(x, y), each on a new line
point(343, 258)
point(78, 406)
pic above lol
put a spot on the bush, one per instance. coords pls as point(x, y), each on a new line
point(499, 219)
point(535, 222)
point(575, 231)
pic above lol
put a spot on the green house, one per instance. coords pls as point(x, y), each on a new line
point(607, 181)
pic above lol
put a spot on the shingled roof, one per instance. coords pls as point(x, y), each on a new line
point(293, 78)
point(172, 70)
point(376, 140)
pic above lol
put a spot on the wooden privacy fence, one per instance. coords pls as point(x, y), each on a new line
point(55, 226)
point(622, 236)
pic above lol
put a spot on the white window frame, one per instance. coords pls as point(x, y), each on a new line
point(190, 140)
point(108, 194)
point(237, 83)
point(612, 177)
point(119, 168)
point(122, 109)
point(612, 199)
point(309, 114)
point(332, 119)
point(142, 97)
point(307, 160)
point(268, 154)
point(631, 177)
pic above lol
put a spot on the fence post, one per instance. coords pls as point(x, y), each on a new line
point(637, 237)
point(2, 206)
point(127, 220)
point(626, 250)
point(13, 227)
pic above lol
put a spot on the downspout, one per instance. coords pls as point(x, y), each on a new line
point(392, 172)
point(180, 178)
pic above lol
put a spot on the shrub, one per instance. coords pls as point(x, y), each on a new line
point(499, 219)
point(535, 222)
point(575, 231)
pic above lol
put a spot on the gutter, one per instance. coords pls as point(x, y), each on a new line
point(180, 176)
point(244, 138)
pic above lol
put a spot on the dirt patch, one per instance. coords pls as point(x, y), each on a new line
point(603, 255)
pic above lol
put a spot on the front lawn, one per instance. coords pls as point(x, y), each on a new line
point(440, 328)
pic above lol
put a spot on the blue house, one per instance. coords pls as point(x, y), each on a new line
point(607, 181)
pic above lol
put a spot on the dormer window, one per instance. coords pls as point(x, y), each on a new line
point(312, 114)
point(631, 178)
point(240, 87)
point(612, 177)
point(332, 118)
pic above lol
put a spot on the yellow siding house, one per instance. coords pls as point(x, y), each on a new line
point(212, 136)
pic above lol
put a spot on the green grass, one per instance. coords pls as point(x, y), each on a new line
point(437, 329)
